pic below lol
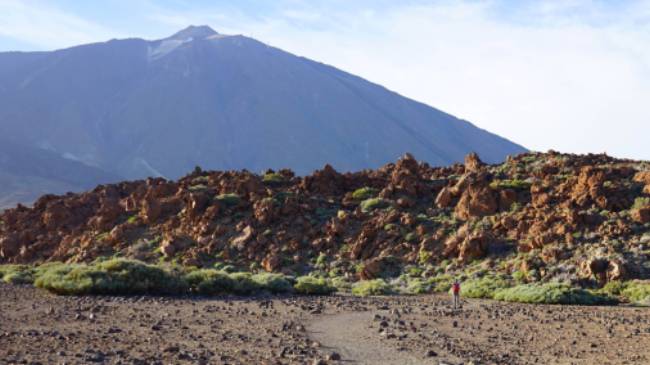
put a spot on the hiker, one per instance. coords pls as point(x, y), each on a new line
point(455, 289)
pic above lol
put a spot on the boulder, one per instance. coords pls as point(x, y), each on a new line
point(405, 177)
point(326, 181)
point(240, 241)
point(9, 246)
point(642, 177)
point(474, 246)
point(271, 262)
point(476, 201)
point(444, 198)
point(473, 163)
point(171, 245)
point(605, 269)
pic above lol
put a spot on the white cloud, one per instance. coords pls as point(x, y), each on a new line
point(46, 27)
point(575, 81)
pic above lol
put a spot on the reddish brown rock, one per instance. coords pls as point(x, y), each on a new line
point(473, 163)
point(271, 262)
point(641, 215)
point(507, 197)
point(642, 177)
point(9, 246)
point(326, 181)
point(240, 241)
point(171, 245)
point(477, 201)
point(444, 198)
point(474, 246)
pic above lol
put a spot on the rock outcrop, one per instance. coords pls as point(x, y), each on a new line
point(555, 207)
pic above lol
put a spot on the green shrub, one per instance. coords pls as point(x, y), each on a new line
point(371, 287)
point(364, 193)
point(341, 284)
point(313, 286)
point(424, 257)
point(273, 178)
point(519, 276)
point(372, 204)
point(414, 271)
point(641, 202)
point(117, 276)
point(229, 199)
point(274, 283)
point(440, 283)
point(244, 283)
point(410, 237)
point(615, 287)
point(418, 286)
point(210, 282)
point(17, 274)
point(636, 291)
point(321, 260)
point(510, 184)
point(199, 187)
point(484, 287)
point(551, 293)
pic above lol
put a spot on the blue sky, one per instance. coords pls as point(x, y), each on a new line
point(570, 75)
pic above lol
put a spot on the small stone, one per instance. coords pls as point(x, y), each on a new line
point(334, 356)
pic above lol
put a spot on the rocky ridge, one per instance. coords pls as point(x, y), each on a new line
point(582, 218)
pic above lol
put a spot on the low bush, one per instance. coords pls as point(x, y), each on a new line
point(511, 184)
point(371, 287)
point(244, 283)
point(364, 193)
point(519, 276)
point(551, 293)
point(274, 283)
point(372, 204)
point(17, 274)
point(272, 178)
point(484, 287)
point(210, 282)
point(417, 286)
point(440, 283)
point(635, 291)
point(229, 199)
point(341, 284)
point(313, 286)
point(125, 277)
point(641, 202)
point(117, 276)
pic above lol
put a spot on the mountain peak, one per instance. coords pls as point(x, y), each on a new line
point(194, 31)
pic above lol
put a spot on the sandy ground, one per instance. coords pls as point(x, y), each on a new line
point(36, 327)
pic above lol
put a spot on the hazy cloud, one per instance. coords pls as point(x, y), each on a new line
point(43, 26)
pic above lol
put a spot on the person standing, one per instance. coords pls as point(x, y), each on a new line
point(455, 289)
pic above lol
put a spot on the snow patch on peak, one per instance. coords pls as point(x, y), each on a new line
point(165, 47)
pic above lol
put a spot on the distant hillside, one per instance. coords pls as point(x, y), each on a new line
point(27, 173)
point(142, 108)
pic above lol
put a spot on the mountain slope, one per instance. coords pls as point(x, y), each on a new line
point(158, 108)
point(27, 173)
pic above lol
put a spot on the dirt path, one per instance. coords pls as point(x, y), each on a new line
point(36, 327)
point(350, 335)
